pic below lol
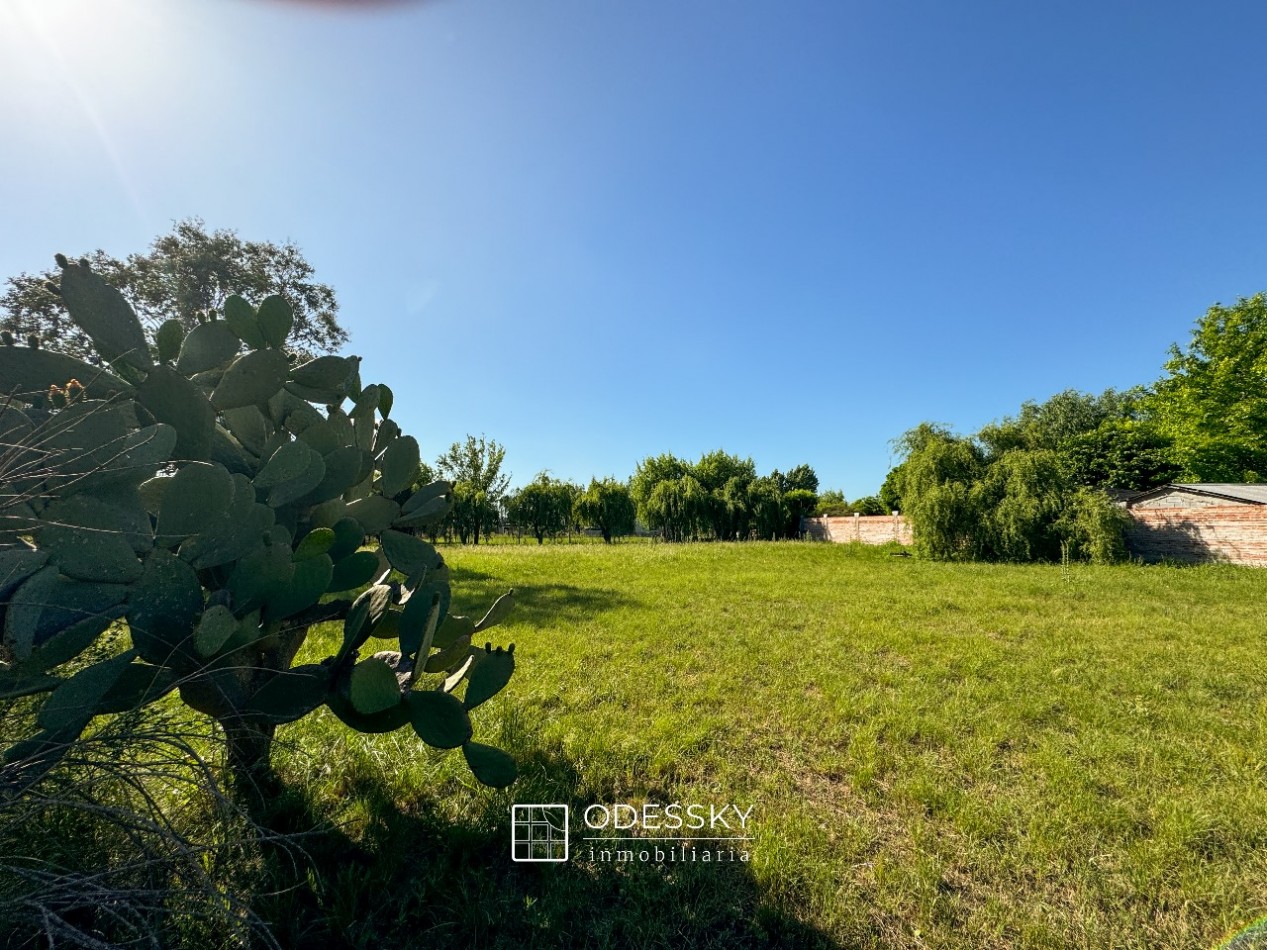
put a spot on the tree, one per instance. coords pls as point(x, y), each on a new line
point(714, 472)
point(890, 493)
point(608, 506)
point(1213, 403)
point(802, 477)
point(769, 514)
point(939, 475)
point(543, 506)
point(475, 469)
point(799, 503)
point(184, 273)
point(1021, 505)
point(1021, 497)
point(1055, 423)
point(176, 498)
point(831, 504)
point(1121, 454)
point(649, 473)
point(869, 505)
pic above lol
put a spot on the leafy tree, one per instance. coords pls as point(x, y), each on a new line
point(1121, 454)
point(543, 506)
point(1021, 505)
point(1020, 498)
point(714, 472)
point(869, 505)
point(608, 506)
point(474, 513)
point(649, 473)
point(890, 493)
point(1213, 402)
point(938, 479)
point(734, 508)
point(831, 504)
point(769, 514)
point(475, 469)
point(802, 477)
point(184, 274)
point(716, 468)
point(798, 503)
point(669, 510)
point(1093, 528)
point(1056, 422)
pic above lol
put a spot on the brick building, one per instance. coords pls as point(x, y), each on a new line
point(1197, 522)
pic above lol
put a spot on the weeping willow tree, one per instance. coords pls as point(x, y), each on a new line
point(1022, 496)
point(1019, 505)
point(939, 487)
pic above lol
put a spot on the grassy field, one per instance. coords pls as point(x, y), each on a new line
point(936, 755)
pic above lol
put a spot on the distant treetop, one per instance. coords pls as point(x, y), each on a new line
point(183, 273)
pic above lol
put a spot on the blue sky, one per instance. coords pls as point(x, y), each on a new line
point(599, 230)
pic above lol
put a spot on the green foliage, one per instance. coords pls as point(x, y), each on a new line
point(183, 276)
point(1054, 423)
point(768, 512)
point(937, 484)
point(890, 494)
point(214, 508)
point(800, 503)
point(543, 506)
point(1019, 505)
point(1213, 403)
point(721, 497)
point(1093, 527)
point(1121, 453)
point(677, 508)
point(1020, 497)
point(870, 505)
point(608, 506)
point(479, 485)
point(832, 504)
point(802, 477)
point(649, 473)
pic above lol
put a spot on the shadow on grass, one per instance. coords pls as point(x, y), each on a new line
point(536, 605)
point(415, 878)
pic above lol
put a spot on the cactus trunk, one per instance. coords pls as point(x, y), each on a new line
point(249, 744)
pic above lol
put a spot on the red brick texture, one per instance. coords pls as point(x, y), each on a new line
point(1235, 534)
point(869, 529)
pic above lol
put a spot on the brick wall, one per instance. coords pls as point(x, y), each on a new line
point(1233, 533)
point(869, 529)
point(1178, 498)
point(1236, 534)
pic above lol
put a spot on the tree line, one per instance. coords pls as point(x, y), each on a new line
point(1032, 486)
point(719, 497)
point(1041, 485)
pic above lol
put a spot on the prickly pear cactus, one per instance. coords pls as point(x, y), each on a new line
point(219, 500)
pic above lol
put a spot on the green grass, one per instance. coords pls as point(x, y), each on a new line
point(937, 755)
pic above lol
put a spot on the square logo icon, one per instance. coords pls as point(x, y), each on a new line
point(539, 832)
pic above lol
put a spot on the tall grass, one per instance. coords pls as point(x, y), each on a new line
point(938, 755)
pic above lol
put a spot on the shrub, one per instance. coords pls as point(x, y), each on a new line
point(1094, 527)
point(198, 494)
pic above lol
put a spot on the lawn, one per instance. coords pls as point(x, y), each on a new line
point(935, 755)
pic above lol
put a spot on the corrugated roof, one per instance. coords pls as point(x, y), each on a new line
point(1244, 492)
point(1233, 491)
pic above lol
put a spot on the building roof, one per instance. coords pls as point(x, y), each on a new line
point(1229, 491)
point(1121, 496)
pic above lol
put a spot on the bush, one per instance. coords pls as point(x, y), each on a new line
point(1094, 527)
point(195, 491)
